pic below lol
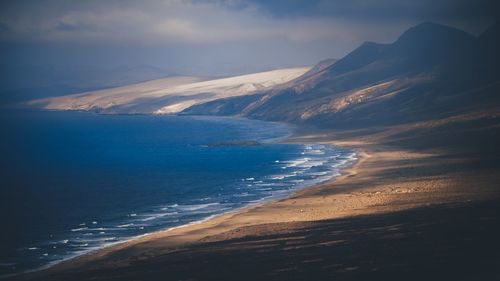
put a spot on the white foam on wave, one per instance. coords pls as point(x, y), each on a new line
point(104, 229)
point(125, 225)
point(312, 163)
point(195, 207)
point(96, 229)
point(285, 176)
point(79, 229)
point(282, 185)
point(266, 184)
point(319, 173)
point(343, 162)
point(157, 216)
point(297, 162)
point(353, 156)
point(315, 152)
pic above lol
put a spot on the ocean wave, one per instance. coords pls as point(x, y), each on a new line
point(195, 207)
point(79, 229)
point(315, 152)
point(96, 229)
point(157, 216)
point(244, 194)
point(266, 184)
point(317, 164)
point(319, 173)
point(125, 225)
point(282, 177)
point(204, 199)
point(297, 162)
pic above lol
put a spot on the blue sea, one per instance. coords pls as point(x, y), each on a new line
point(73, 182)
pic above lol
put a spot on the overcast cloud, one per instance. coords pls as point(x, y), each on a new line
point(173, 21)
point(213, 37)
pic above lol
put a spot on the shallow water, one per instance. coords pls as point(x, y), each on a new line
point(72, 182)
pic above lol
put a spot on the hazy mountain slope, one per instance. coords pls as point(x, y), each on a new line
point(27, 82)
point(169, 95)
point(431, 71)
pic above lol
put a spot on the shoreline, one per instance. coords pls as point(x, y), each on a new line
point(114, 246)
point(379, 182)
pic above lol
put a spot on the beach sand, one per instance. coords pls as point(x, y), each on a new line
point(414, 206)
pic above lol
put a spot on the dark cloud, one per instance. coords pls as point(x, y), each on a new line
point(203, 21)
point(384, 9)
point(218, 37)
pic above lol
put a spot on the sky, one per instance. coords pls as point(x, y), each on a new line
point(74, 42)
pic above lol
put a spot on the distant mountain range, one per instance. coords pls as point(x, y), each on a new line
point(27, 82)
point(169, 95)
point(430, 71)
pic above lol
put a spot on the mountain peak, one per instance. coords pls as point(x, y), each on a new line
point(432, 33)
point(430, 44)
point(492, 33)
point(363, 55)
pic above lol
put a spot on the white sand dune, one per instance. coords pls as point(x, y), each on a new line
point(170, 95)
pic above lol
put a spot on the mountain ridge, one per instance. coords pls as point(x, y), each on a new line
point(169, 95)
point(429, 71)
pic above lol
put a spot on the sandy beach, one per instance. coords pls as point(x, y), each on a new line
point(393, 181)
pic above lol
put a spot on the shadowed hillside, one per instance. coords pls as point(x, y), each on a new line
point(431, 71)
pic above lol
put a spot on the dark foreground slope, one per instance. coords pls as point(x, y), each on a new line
point(433, 243)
